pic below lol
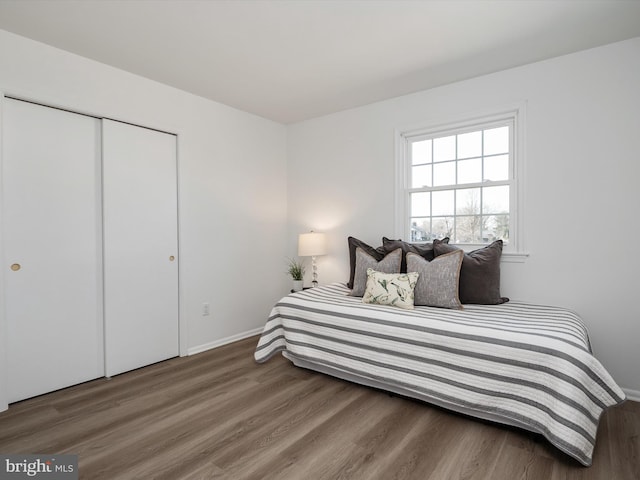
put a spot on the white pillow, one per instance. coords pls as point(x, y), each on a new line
point(395, 289)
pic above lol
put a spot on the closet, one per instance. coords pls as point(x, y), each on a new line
point(89, 235)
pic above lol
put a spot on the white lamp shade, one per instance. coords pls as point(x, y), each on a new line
point(312, 244)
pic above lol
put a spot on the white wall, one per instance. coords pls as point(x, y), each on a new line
point(232, 180)
point(582, 191)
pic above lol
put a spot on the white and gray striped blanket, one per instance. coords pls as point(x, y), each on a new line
point(525, 365)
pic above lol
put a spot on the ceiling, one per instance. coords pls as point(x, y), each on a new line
point(291, 60)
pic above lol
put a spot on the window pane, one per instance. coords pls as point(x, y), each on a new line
point(496, 168)
point(421, 152)
point(495, 199)
point(444, 174)
point(470, 171)
point(421, 176)
point(470, 145)
point(444, 148)
point(442, 227)
point(468, 201)
point(442, 203)
point(496, 140)
point(496, 227)
point(469, 229)
point(420, 229)
point(420, 204)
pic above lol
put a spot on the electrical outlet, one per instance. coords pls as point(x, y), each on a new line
point(205, 309)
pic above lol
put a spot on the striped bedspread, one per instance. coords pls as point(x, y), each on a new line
point(526, 365)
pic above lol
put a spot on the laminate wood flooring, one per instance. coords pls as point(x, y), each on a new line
point(219, 415)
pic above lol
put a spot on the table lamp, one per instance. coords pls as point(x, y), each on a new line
point(312, 245)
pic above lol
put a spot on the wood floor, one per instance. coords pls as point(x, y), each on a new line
point(219, 415)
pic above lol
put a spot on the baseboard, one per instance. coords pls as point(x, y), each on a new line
point(632, 394)
point(223, 341)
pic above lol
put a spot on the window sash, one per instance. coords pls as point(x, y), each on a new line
point(512, 117)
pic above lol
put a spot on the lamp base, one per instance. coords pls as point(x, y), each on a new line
point(314, 269)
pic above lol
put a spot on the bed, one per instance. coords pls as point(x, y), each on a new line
point(525, 365)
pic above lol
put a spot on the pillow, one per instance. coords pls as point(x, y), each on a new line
point(395, 289)
point(480, 273)
point(389, 264)
point(377, 253)
point(438, 281)
point(425, 250)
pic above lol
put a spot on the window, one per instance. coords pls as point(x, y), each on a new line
point(460, 181)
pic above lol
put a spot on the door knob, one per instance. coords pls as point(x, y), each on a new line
point(172, 258)
point(15, 267)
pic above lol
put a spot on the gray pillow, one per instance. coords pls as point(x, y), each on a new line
point(389, 264)
point(480, 274)
point(438, 282)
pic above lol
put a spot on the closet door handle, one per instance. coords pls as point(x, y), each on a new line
point(15, 267)
point(172, 258)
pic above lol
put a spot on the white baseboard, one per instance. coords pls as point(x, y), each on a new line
point(632, 394)
point(223, 341)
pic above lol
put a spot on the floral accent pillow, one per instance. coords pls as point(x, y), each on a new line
point(395, 289)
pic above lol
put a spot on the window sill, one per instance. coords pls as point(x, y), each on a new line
point(508, 257)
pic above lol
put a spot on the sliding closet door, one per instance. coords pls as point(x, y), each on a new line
point(140, 246)
point(52, 238)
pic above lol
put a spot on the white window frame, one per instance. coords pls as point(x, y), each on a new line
point(512, 114)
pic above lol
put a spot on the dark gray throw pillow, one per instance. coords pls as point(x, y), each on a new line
point(425, 250)
point(480, 273)
point(377, 253)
